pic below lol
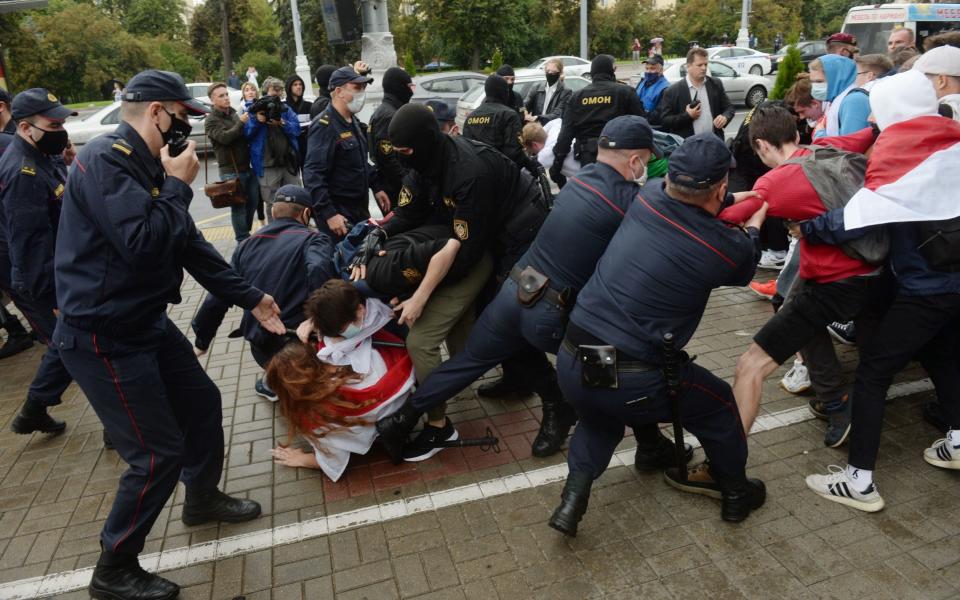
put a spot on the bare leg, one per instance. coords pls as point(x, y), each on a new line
point(752, 368)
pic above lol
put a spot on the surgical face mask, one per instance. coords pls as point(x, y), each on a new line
point(352, 330)
point(812, 123)
point(642, 179)
point(355, 105)
point(51, 142)
point(819, 90)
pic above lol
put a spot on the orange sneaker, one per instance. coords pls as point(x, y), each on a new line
point(767, 290)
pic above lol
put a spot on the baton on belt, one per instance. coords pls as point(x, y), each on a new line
point(671, 370)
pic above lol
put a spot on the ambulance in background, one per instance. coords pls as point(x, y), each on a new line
point(872, 24)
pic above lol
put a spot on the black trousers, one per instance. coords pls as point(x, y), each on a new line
point(162, 413)
point(921, 327)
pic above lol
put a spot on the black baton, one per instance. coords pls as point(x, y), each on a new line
point(486, 443)
point(671, 371)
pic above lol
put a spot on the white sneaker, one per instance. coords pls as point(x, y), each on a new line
point(943, 454)
point(836, 486)
point(797, 379)
point(772, 259)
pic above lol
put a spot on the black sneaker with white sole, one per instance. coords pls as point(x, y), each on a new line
point(425, 444)
point(845, 333)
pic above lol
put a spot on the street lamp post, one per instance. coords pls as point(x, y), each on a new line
point(743, 36)
point(583, 29)
point(302, 67)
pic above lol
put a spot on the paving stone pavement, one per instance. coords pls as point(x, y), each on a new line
point(640, 538)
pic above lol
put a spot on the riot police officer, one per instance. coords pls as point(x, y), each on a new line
point(655, 277)
point(31, 188)
point(497, 124)
point(514, 99)
point(533, 304)
point(398, 88)
point(589, 110)
point(288, 260)
point(491, 208)
point(337, 172)
point(125, 238)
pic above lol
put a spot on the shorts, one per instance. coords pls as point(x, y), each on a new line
point(810, 307)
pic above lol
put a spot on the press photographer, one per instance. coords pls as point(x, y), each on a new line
point(273, 141)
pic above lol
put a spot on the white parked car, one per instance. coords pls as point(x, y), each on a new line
point(742, 60)
point(522, 85)
point(572, 65)
point(198, 90)
point(750, 90)
point(106, 120)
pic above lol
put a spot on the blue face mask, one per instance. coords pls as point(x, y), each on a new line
point(650, 77)
point(351, 331)
point(819, 91)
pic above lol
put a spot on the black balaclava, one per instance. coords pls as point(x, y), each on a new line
point(396, 82)
point(496, 89)
point(602, 64)
point(323, 74)
point(414, 126)
point(506, 71)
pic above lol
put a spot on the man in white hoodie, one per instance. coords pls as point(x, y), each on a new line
point(942, 66)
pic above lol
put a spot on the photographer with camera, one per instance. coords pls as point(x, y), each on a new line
point(272, 132)
point(696, 103)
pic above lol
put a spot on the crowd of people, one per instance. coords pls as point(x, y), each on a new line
point(846, 185)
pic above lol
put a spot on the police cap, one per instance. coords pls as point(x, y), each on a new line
point(441, 110)
point(628, 132)
point(345, 75)
point(700, 161)
point(294, 194)
point(162, 86)
point(38, 101)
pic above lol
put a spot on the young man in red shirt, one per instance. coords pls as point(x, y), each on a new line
point(832, 285)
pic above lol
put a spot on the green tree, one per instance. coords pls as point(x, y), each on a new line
point(151, 17)
point(408, 64)
point(267, 64)
point(496, 61)
point(791, 64)
point(251, 27)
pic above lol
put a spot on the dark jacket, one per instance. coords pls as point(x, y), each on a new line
point(381, 150)
point(301, 107)
point(322, 102)
point(558, 102)
point(225, 130)
point(496, 124)
point(671, 113)
point(6, 136)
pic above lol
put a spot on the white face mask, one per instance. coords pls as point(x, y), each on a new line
point(355, 105)
point(642, 179)
point(812, 123)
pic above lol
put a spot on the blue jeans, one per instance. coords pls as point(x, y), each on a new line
point(241, 215)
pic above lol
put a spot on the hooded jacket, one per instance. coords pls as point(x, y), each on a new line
point(848, 112)
point(298, 105)
point(497, 124)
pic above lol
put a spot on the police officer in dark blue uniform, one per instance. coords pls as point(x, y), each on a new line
point(31, 188)
point(337, 173)
point(655, 277)
point(288, 260)
point(533, 304)
point(125, 238)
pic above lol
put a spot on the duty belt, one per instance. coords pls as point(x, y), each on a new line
point(564, 299)
point(577, 336)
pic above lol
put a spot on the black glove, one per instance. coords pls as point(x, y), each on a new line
point(371, 245)
point(556, 173)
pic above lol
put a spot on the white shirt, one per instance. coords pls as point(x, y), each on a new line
point(953, 101)
point(705, 123)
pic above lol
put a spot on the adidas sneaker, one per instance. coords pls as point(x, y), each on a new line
point(836, 486)
point(943, 454)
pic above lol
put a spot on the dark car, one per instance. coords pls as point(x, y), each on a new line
point(448, 86)
point(809, 51)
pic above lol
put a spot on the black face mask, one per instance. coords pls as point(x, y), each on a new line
point(177, 133)
point(420, 161)
point(552, 78)
point(52, 142)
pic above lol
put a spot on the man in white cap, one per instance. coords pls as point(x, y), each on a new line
point(942, 66)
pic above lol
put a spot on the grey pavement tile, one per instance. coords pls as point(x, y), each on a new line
point(362, 576)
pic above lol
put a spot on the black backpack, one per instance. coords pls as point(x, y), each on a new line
point(940, 244)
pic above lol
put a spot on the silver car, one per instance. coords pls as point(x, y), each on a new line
point(106, 120)
point(750, 90)
point(447, 86)
point(523, 84)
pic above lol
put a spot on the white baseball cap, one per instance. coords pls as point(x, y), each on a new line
point(944, 60)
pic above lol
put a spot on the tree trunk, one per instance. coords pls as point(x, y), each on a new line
point(225, 39)
point(474, 59)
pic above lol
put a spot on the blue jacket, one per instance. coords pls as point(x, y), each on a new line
point(650, 94)
point(125, 237)
point(914, 275)
point(256, 134)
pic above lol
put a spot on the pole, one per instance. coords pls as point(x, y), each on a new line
point(743, 36)
point(225, 39)
point(302, 66)
point(583, 29)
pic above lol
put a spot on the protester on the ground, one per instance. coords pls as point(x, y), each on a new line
point(322, 75)
point(273, 132)
point(548, 101)
point(125, 238)
point(942, 66)
point(843, 44)
point(398, 88)
point(695, 104)
point(31, 191)
point(833, 80)
point(498, 125)
point(653, 84)
point(514, 100)
point(338, 173)
point(293, 97)
point(224, 128)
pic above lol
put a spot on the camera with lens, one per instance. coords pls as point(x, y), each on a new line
point(271, 106)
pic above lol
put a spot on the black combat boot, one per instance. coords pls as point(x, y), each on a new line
point(740, 498)
point(33, 419)
point(504, 389)
point(655, 451)
point(119, 577)
point(395, 429)
point(558, 418)
point(213, 505)
point(573, 503)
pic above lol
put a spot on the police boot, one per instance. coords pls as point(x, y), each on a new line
point(558, 418)
point(740, 498)
point(655, 451)
point(573, 503)
point(395, 429)
point(33, 419)
point(118, 577)
point(504, 389)
point(213, 505)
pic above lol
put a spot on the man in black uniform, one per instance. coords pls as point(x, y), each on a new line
point(491, 207)
point(655, 278)
point(322, 75)
point(397, 90)
point(287, 260)
point(589, 110)
point(514, 99)
point(31, 188)
point(125, 237)
point(337, 172)
point(497, 124)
